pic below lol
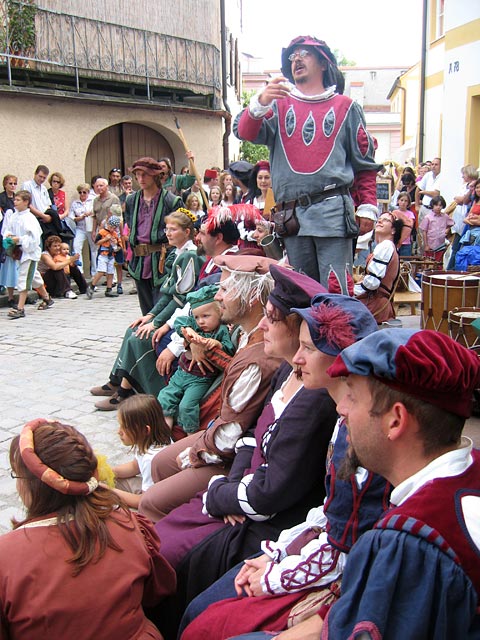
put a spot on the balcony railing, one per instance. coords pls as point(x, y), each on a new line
point(85, 50)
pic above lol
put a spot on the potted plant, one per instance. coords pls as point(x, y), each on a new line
point(21, 36)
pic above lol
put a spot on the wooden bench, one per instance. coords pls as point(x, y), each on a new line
point(407, 297)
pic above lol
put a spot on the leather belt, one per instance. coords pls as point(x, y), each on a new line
point(142, 250)
point(307, 200)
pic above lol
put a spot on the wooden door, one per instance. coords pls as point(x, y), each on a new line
point(120, 145)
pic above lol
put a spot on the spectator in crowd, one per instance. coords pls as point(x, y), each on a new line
point(23, 235)
point(57, 194)
point(52, 267)
point(41, 203)
point(101, 205)
point(434, 227)
point(114, 182)
point(81, 212)
point(193, 205)
point(8, 266)
point(241, 172)
point(210, 179)
point(260, 183)
point(463, 200)
point(225, 180)
point(427, 188)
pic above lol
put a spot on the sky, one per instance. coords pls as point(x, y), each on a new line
point(369, 32)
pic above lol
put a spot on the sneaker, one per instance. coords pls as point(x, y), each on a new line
point(70, 295)
point(107, 389)
point(45, 304)
point(111, 294)
point(119, 289)
point(393, 323)
point(12, 304)
point(13, 314)
point(89, 291)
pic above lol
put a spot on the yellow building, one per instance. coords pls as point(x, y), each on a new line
point(450, 127)
point(88, 86)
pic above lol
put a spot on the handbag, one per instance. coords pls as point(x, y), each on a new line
point(286, 222)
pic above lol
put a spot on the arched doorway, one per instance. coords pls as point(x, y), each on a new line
point(120, 145)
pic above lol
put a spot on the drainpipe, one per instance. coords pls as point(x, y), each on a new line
point(228, 115)
point(423, 65)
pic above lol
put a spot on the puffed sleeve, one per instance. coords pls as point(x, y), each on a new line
point(162, 579)
point(396, 586)
point(302, 433)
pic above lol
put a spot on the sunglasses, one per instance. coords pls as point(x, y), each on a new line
point(303, 53)
point(57, 181)
point(84, 192)
point(115, 171)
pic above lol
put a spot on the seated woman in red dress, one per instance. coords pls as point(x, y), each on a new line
point(80, 565)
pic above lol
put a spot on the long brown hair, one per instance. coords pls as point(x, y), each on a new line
point(136, 413)
point(81, 520)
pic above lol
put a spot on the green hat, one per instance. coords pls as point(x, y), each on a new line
point(205, 295)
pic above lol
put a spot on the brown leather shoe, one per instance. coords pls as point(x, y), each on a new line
point(107, 389)
point(110, 404)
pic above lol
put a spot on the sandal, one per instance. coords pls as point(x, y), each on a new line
point(45, 304)
point(13, 314)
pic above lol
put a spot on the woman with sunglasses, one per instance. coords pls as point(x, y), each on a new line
point(8, 266)
point(57, 194)
point(81, 211)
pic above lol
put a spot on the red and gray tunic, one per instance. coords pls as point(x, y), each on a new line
point(316, 144)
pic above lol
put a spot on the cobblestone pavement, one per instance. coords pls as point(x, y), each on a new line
point(49, 361)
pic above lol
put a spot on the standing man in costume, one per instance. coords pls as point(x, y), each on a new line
point(147, 209)
point(319, 150)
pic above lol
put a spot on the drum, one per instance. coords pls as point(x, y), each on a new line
point(460, 326)
point(442, 291)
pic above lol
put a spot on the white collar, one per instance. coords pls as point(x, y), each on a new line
point(211, 264)
point(450, 464)
point(188, 246)
point(328, 93)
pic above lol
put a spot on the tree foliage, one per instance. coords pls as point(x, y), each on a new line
point(248, 151)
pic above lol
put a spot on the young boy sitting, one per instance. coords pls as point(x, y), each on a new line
point(22, 238)
point(108, 241)
point(180, 399)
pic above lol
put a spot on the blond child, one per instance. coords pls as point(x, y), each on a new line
point(108, 242)
point(143, 428)
point(180, 399)
point(22, 237)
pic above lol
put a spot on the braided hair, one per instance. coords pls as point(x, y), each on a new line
point(81, 519)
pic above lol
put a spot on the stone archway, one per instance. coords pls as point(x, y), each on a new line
point(120, 145)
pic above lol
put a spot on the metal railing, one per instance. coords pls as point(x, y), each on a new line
point(89, 49)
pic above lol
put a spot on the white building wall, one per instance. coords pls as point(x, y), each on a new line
point(461, 72)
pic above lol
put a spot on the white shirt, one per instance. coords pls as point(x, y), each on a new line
point(429, 182)
point(40, 198)
point(144, 461)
